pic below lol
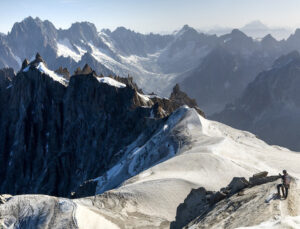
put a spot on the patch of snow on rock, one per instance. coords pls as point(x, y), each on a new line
point(65, 49)
point(43, 69)
point(111, 82)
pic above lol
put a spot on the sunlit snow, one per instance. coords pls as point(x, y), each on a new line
point(43, 69)
point(111, 82)
point(65, 49)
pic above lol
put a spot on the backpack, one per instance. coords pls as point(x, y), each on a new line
point(287, 180)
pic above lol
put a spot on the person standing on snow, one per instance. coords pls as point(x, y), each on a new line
point(286, 180)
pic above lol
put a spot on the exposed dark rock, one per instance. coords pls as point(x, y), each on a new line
point(260, 175)
point(194, 204)
point(78, 71)
point(201, 202)
point(38, 59)
point(86, 70)
point(262, 180)
point(237, 184)
point(88, 188)
point(178, 99)
point(181, 98)
point(64, 72)
point(25, 64)
point(128, 81)
point(216, 197)
point(7, 74)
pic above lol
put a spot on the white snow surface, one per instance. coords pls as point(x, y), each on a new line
point(197, 153)
point(65, 49)
point(146, 71)
point(43, 69)
point(289, 222)
point(188, 151)
point(111, 81)
point(86, 218)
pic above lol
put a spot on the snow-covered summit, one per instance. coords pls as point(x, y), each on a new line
point(41, 66)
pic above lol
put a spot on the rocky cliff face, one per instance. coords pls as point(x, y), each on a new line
point(200, 204)
point(269, 106)
point(57, 134)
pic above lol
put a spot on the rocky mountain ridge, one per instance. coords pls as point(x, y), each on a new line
point(269, 107)
point(54, 129)
point(156, 62)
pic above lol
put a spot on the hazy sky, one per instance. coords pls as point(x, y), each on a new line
point(152, 15)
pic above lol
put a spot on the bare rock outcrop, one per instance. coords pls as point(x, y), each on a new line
point(201, 202)
point(64, 72)
point(181, 98)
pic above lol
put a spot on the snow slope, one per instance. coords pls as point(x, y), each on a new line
point(65, 49)
point(188, 152)
point(146, 71)
point(43, 69)
point(202, 153)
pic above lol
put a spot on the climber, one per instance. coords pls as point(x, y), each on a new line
point(286, 180)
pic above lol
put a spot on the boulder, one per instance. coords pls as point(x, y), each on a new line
point(237, 184)
point(262, 180)
point(195, 203)
point(260, 175)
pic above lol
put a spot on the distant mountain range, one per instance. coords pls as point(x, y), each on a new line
point(215, 70)
point(255, 29)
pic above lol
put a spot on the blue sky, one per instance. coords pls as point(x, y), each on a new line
point(152, 15)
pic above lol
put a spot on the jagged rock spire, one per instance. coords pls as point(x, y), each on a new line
point(86, 69)
point(77, 71)
point(181, 98)
point(25, 64)
point(38, 58)
point(64, 72)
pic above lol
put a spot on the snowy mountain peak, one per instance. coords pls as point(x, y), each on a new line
point(255, 25)
point(187, 31)
point(40, 65)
